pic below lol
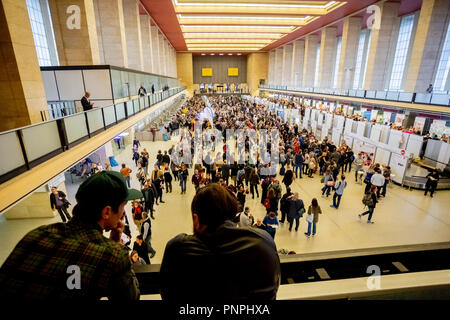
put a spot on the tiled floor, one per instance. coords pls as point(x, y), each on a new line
point(403, 217)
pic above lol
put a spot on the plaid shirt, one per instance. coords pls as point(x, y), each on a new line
point(38, 266)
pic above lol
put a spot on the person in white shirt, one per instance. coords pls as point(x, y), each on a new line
point(246, 219)
point(377, 180)
point(339, 187)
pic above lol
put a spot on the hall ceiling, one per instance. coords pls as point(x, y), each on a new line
point(245, 25)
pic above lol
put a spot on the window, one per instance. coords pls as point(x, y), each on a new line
point(367, 58)
point(39, 32)
point(444, 65)
point(359, 59)
point(316, 73)
point(336, 67)
point(401, 52)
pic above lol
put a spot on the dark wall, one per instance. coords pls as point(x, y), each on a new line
point(220, 65)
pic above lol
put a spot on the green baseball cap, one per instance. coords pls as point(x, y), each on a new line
point(106, 185)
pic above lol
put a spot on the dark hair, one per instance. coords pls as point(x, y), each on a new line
point(123, 165)
point(314, 202)
point(139, 237)
point(214, 204)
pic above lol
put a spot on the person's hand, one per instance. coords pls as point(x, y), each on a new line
point(116, 233)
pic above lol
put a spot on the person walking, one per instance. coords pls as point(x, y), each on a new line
point(140, 175)
point(58, 201)
point(328, 181)
point(369, 200)
point(264, 187)
point(125, 171)
point(313, 217)
point(137, 212)
point(288, 176)
point(254, 182)
point(432, 181)
point(339, 187)
point(167, 178)
point(284, 204)
point(312, 165)
point(298, 164)
point(378, 180)
point(159, 184)
point(305, 163)
point(359, 161)
point(387, 179)
point(149, 197)
point(295, 211)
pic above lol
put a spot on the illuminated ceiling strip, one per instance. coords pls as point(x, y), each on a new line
point(193, 40)
point(238, 26)
point(228, 33)
point(246, 18)
point(215, 45)
point(225, 49)
point(273, 5)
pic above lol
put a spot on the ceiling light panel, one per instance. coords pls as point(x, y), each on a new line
point(237, 28)
point(260, 41)
point(221, 35)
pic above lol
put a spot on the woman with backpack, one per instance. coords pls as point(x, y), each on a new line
point(369, 200)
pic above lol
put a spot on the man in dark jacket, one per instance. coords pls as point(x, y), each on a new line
point(87, 105)
point(59, 202)
point(141, 248)
point(225, 171)
point(201, 267)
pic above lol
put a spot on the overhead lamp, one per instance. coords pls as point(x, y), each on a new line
point(239, 54)
point(230, 54)
point(203, 54)
point(212, 54)
point(220, 54)
point(228, 33)
point(180, 16)
point(273, 5)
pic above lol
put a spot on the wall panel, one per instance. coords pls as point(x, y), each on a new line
point(220, 65)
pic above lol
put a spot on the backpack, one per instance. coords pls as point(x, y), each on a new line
point(367, 200)
point(267, 203)
point(282, 171)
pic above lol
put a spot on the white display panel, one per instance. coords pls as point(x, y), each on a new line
point(361, 128)
point(373, 115)
point(387, 117)
point(375, 133)
point(336, 136)
point(329, 120)
point(398, 139)
point(414, 145)
point(37, 147)
point(419, 123)
point(70, 84)
point(320, 120)
point(398, 167)
point(384, 137)
point(10, 145)
point(51, 90)
point(444, 156)
point(98, 84)
point(349, 141)
point(382, 156)
point(340, 122)
point(325, 130)
point(348, 126)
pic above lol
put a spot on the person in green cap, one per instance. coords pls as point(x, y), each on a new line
point(74, 260)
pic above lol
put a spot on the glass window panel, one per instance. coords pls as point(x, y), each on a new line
point(95, 120)
point(41, 140)
point(444, 64)
point(110, 116)
point(75, 127)
point(120, 110)
point(338, 56)
point(359, 59)
point(10, 145)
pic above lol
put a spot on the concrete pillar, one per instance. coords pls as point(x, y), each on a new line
point(349, 50)
point(22, 93)
point(327, 59)
point(75, 46)
point(278, 73)
point(112, 25)
point(298, 59)
point(382, 45)
point(133, 34)
point(146, 38)
point(155, 50)
point(431, 29)
point(287, 65)
point(162, 62)
point(166, 56)
point(272, 67)
point(257, 69)
point(185, 71)
point(309, 65)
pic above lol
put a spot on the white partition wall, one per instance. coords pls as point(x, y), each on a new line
point(361, 128)
point(398, 139)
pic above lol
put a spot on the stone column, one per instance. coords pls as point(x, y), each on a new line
point(272, 67)
point(349, 50)
point(431, 29)
point(257, 69)
point(278, 73)
point(309, 65)
point(21, 88)
point(162, 61)
point(146, 38)
point(75, 46)
point(298, 59)
point(327, 59)
point(287, 65)
point(155, 50)
point(382, 44)
point(112, 25)
point(133, 34)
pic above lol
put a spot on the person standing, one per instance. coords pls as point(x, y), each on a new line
point(142, 92)
point(196, 179)
point(254, 182)
point(246, 218)
point(141, 248)
point(159, 184)
point(284, 204)
point(58, 201)
point(432, 181)
point(370, 200)
point(378, 180)
point(339, 187)
point(137, 212)
point(140, 175)
point(288, 176)
point(149, 197)
point(264, 187)
point(167, 178)
point(87, 105)
point(359, 161)
point(271, 223)
point(295, 211)
point(387, 179)
point(225, 171)
point(328, 182)
point(182, 176)
point(313, 217)
point(146, 233)
point(298, 164)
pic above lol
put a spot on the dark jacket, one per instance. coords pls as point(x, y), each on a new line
point(294, 207)
point(53, 200)
point(142, 251)
point(86, 104)
point(200, 267)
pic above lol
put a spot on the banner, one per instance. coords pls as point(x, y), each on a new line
point(399, 119)
point(387, 117)
point(367, 115)
point(419, 123)
point(361, 128)
point(438, 127)
point(373, 115)
point(398, 167)
point(348, 125)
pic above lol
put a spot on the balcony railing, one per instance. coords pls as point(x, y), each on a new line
point(29, 146)
point(422, 98)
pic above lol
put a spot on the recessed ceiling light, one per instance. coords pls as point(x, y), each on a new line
point(220, 54)
point(245, 17)
point(212, 54)
point(256, 5)
point(239, 54)
point(230, 54)
point(203, 54)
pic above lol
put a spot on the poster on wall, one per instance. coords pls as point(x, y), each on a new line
point(367, 115)
point(373, 115)
point(419, 123)
point(438, 127)
point(399, 119)
point(387, 117)
point(379, 119)
point(375, 133)
point(384, 136)
point(348, 126)
point(336, 136)
point(340, 122)
point(325, 130)
point(414, 145)
point(320, 119)
point(367, 151)
point(382, 156)
point(361, 128)
point(349, 141)
point(329, 120)
point(398, 166)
